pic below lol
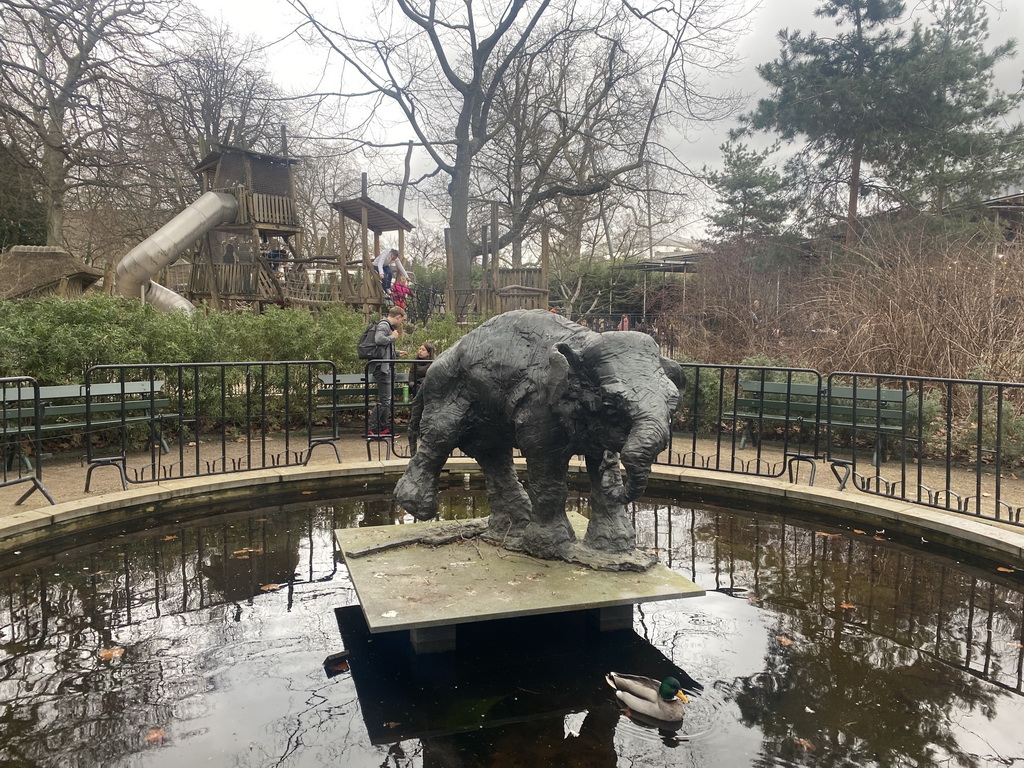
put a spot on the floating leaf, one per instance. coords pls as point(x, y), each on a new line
point(821, 533)
point(155, 736)
point(270, 587)
point(1004, 569)
point(857, 530)
point(879, 538)
point(307, 493)
point(848, 606)
point(106, 654)
point(783, 640)
point(170, 538)
point(805, 745)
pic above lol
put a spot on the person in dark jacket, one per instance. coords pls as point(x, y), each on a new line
point(424, 357)
point(387, 331)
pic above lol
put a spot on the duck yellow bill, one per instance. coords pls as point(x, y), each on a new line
point(682, 696)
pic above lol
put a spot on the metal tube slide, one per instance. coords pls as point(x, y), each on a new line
point(136, 270)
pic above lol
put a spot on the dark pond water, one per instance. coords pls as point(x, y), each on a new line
point(203, 643)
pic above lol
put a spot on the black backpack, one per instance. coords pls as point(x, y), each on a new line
point(367, 347)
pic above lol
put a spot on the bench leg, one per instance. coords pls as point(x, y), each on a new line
point(748, 433)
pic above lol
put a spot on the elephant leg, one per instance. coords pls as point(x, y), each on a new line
point(509, 502)
point(416, 490)
point(610, 529)
point(549, 534)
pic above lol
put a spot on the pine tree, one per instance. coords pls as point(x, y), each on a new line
point(751, 196)
point(841, 93)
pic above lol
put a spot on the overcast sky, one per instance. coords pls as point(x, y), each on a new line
point(297, 68)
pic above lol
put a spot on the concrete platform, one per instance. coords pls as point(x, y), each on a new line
point(430, 590)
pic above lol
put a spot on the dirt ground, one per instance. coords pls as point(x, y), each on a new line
point(64, 476)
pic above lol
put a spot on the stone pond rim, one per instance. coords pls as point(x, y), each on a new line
point(189, 499)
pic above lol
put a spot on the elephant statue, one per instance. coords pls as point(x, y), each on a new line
point(532, 380)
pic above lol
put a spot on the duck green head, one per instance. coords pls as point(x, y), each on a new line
point(669, 690)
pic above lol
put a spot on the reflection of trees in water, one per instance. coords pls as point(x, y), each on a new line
point(874, 646)
point(881, 676)
point(133, 593)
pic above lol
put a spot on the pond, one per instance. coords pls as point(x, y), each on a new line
point(205, 641)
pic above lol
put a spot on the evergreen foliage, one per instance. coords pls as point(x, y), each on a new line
point(55, 340)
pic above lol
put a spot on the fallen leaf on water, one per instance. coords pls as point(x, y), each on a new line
point(847, 605)
point(307, 493)
point(804, 744)
point(270, 587)
point(1004, 569)
point(155, 736)
point(821, 533)
point(784, 640)
point(879, 538)
point(106, 654)
point(261, 519)
point(170, 538)
point(857, 530)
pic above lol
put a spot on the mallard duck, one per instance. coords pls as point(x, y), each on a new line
point(647, 697)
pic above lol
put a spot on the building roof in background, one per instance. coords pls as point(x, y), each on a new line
point(35, 270)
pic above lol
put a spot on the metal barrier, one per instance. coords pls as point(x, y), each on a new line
point(952, 444)
point(724, 407)
point(207, 418)
point(21, 417)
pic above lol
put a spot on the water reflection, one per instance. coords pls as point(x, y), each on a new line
point(206, 642)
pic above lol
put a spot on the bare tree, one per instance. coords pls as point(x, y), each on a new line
point(61, 61)
point(444, 65)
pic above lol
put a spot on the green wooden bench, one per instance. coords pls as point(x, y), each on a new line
point(77, 408)
point(880, 412)
point(351, 391)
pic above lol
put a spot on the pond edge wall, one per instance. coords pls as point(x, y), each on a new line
point(167, 499)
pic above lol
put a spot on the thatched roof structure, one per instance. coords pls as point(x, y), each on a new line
point(31, 271)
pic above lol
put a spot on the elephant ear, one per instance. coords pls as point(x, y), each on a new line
point(564, 360)
point(675, 373)
point(558, 374)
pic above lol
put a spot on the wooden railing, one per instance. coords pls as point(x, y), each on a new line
point(272, 209)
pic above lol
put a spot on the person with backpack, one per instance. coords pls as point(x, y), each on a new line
point(385, 333)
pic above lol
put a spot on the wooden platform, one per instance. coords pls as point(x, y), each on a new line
point(430, 590)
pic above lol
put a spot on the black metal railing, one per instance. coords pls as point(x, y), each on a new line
point(952, 444)
point(21, 419)
point(199, 419)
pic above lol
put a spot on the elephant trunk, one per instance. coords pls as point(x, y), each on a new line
point(648, 438)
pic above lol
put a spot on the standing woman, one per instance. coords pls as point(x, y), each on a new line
point(424, 357)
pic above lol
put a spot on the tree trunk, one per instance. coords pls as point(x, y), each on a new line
point(53, 181)
point(851, 208)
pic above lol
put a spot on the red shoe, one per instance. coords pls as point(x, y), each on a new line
point(370, 433)
point(384, 432)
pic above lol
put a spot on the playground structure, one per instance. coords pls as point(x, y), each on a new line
point(502, 288)
point(245, 249)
